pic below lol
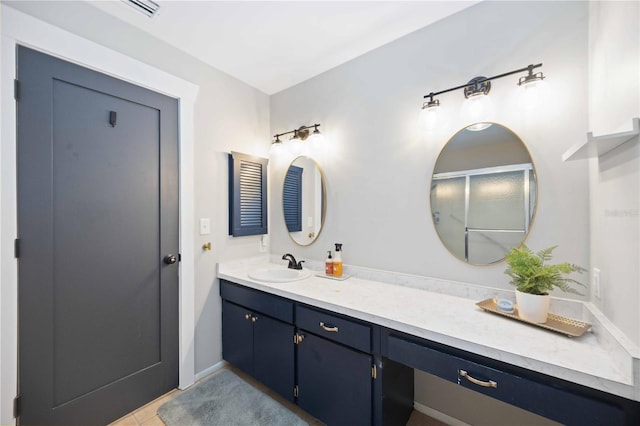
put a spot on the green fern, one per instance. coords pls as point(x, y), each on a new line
point(530, 274)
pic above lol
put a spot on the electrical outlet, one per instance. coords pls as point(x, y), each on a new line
point(596, 283)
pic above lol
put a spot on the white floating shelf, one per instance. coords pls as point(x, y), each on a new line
point(596, 146)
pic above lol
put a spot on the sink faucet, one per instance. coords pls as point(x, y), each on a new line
point(292, 261)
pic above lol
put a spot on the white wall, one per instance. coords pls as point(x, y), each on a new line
point(378, 165)
point(614, 98)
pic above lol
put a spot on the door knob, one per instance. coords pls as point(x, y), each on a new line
point(170, 259)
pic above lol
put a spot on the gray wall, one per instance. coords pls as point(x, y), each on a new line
point(378, 162)
point(614, 97)
point(229, 115)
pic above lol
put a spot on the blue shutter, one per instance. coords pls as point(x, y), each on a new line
point(247, 195)
point(292, 199)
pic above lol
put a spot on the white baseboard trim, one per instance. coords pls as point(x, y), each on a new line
point(444, 418)
point(209, 370)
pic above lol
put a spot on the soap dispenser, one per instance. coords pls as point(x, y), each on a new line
point(337, 261)
point(328, 264)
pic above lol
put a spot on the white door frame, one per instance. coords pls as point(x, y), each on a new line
point(21, 29)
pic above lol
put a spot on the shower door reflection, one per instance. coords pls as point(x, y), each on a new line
point(483, 213)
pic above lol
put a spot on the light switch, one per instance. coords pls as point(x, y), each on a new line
point(205, 226)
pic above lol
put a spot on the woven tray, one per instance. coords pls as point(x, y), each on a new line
point(568, 326)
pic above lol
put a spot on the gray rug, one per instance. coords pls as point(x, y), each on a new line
point(227, 400)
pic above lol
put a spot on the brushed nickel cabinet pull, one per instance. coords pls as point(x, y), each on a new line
point(488, 384)
point(330, 329)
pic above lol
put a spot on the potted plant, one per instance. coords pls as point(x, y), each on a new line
point(534, 279)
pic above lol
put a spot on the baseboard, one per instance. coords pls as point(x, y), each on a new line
point(207, 371)
point(435, 414)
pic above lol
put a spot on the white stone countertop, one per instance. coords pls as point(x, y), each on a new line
point(458, 322)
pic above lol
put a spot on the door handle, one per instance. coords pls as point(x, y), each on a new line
point(170, 259)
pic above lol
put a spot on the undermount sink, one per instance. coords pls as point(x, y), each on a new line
point(279, 275)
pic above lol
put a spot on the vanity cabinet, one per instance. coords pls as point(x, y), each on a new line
point(323, 361)
point(335, 367)
point(556, 399)
point(334, 382)
point(259, 344)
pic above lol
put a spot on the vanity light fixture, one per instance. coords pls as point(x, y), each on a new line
point(299, 134)
point(482, 85)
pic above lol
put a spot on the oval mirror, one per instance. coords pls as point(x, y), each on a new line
point(304, 200)
point(483, 193)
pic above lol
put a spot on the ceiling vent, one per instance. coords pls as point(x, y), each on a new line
point(147, 7)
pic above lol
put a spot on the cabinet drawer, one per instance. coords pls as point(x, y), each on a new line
point(257, 301)
point(333, 327)
point(549, 401)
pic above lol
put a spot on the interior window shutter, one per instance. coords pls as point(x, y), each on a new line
point(247, 195)
point(292, 199)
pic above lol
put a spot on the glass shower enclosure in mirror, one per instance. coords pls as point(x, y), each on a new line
point(483, 193)
point(304, 200)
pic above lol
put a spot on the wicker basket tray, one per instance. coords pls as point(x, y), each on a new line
point(568, 326)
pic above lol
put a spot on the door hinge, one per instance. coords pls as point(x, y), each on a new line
point(295, 391)
point(298, 338)
point(17, 402)
point(16, 89)
point(16, 248)
point(374, 372)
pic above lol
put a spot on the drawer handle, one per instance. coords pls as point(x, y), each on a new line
point(333, 329)
point(488, 384)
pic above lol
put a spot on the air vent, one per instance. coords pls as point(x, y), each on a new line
point(147, 7)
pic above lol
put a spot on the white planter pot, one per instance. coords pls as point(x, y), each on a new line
point(532, 307)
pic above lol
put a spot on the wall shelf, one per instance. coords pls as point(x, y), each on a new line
point(596, 146)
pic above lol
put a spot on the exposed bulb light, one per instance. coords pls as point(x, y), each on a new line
point(299, 135)
point(478, 88)
point(429, 114)
point(532, 78)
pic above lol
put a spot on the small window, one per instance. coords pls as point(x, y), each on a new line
point(247, 195)
point(292, 199)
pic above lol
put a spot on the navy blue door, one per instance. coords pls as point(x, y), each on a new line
point(273, 354)
point(334, 382)
point(97, 214)
point(237, 336)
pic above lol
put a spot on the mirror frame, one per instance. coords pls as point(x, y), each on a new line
point(535, 208)
point(324, 196)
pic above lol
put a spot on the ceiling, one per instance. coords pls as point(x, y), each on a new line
point(273, 45)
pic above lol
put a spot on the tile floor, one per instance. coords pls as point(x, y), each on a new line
point(147, 414)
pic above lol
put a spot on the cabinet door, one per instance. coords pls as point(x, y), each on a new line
point(334, 382)
point(237, 336)
point(273, 360)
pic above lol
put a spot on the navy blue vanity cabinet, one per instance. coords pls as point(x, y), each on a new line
point(334, 382)
point(257, 338)
point(335, 367)
point(550, 397)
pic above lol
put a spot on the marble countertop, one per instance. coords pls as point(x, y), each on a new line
point(458, 322)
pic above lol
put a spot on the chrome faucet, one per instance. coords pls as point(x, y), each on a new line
point(292, 261)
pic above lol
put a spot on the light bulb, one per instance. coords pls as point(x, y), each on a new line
point(478, 110)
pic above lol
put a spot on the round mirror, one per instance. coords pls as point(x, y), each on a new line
point(483, 193)
point(304, 200)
